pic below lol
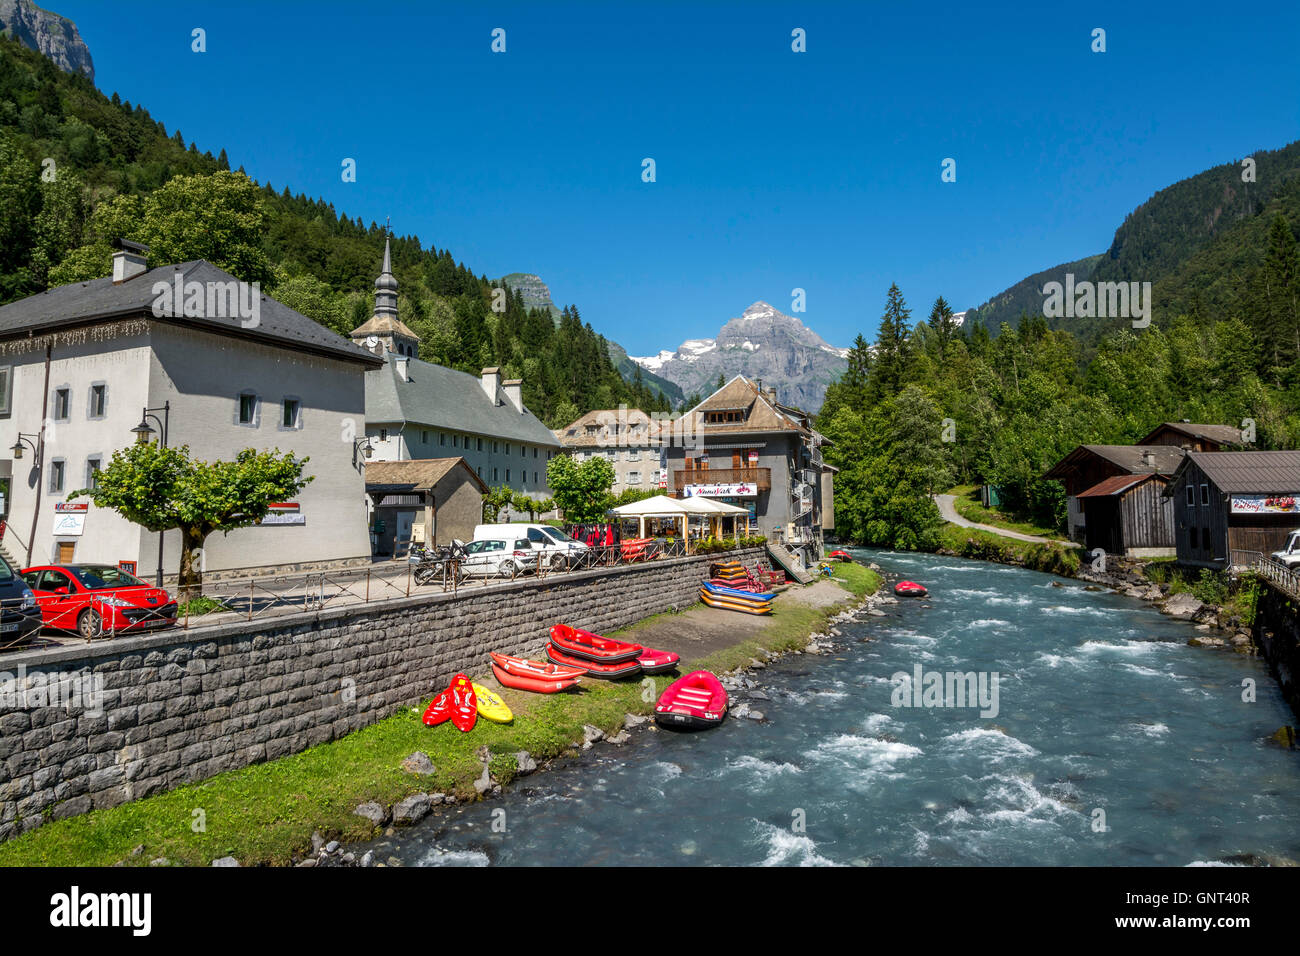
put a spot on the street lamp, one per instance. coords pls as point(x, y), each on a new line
point(362, 445)
point(24, 438)
point(143, 432)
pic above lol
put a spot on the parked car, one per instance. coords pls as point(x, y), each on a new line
point(506, 557)
point(20, 615)
point(559, 552)
point(93, 598)
point(1290, 553)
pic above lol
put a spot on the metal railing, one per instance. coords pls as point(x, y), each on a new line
point(116, 612)
point(1286, 578)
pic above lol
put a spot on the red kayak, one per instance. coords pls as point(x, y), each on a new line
point(439, 710)
point(536, 670)
point(534, 685)
point(464, 703)
point(910, 589)
point(606, 671)
point(587, 646)
point(457, 703)
point(696, 701)
point(657, 662)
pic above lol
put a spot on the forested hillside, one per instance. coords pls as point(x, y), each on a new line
point(930, 405)
point(79, 169)
point(1198, 242)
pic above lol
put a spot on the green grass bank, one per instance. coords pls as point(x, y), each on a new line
point(266, 813)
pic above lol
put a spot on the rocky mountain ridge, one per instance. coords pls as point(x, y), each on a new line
point(48, 33)
point(761, 343)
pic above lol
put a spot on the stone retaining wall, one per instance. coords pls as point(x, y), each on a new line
point(1277, 635)
point(180, 706)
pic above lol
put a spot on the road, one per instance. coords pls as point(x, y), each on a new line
point(948, 509)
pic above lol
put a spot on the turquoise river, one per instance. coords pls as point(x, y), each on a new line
point(1114, 743)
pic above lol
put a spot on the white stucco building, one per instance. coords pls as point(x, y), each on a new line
point(418, 410)
point(80, 364)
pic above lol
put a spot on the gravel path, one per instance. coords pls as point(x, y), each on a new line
point(948, 509)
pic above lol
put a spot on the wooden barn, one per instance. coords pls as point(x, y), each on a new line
point(1129, 515)
point(1193, 437)
point(1231, 507)
point(1087, 465)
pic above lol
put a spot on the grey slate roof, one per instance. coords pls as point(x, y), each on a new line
point(440, 397)
point(98, 300)
point(1248, 472)
point(1220, 434)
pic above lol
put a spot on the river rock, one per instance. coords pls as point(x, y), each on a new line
point(373, 812)
point(740, 710)
point(368, 859)
point(412, 810)
point(317, 841)
point(332, 847)
point(309, 862)
point(226, 861)
point(590, 735)
point(619, 738)
point(1183, 606)
point(754, 715)
point(632, 721)
point(418, 763)
point(525, 763)
point(1206, 642)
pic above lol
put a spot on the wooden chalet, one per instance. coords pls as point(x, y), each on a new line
point(1194, 437)
point(1231, 507)
point(1088, 465)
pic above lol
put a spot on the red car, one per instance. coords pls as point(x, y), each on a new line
point(94, 598)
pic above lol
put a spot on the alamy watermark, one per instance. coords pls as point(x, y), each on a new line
point(209, 300)
point(1098, 300)
point(76, 690)
point(956, 689)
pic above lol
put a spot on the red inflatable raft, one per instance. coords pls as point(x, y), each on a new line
point(605, 671)
point(910, 589)
point(540, 677)
point(840, 556)
point(696, 701)
point(587, 646)
point(657, 662)
point(533, 685)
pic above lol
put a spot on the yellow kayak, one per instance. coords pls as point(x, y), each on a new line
point(491, 706)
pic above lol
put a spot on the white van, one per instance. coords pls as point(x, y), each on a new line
point(558, 551)
point(1290, 553)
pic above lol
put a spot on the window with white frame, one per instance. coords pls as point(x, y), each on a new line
point(291, 413)
point(248, 409)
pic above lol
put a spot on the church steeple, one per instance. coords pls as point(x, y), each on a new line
point(386, 286)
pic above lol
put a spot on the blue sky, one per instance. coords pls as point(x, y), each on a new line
point(775, 170)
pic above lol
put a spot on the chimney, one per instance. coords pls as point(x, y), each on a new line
point(402, 363)
point(491, 381)
point(130, 260)
point(771, 394)
point(1149, 459)
point(512, 389)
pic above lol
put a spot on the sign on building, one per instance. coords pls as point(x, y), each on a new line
point(70, 517)
point(284, 512)
point(1266, 504)
point(739, 489)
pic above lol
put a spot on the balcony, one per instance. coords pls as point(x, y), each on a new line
point(760, 478)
